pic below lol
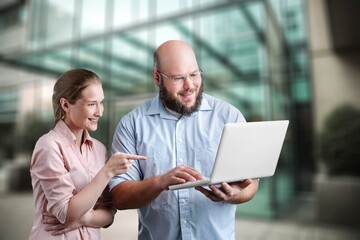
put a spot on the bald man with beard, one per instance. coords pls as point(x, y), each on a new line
point(178, 131)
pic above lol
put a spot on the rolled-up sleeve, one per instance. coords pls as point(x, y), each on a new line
point(51, 171)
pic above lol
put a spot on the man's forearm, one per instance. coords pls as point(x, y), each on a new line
point(135, 194)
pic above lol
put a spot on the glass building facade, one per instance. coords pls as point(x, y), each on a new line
point(253, 54)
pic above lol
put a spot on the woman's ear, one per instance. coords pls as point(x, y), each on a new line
point(64, 104)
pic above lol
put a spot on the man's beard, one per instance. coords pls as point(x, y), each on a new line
point(177, 106)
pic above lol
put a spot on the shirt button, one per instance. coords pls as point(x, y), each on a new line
point(181, 160)
point(184, 221)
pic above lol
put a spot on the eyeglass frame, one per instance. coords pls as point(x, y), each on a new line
point(183, 77)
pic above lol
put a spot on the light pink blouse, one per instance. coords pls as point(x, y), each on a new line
point(58, 171)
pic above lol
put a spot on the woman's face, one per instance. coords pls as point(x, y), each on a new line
point(86, 111)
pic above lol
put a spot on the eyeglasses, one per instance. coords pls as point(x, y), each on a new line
point(181, 78)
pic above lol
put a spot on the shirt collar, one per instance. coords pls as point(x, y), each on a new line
point(157, 107)
point(64, 131)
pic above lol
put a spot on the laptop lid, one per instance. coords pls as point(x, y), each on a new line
point(246, 150)
point(249, 150)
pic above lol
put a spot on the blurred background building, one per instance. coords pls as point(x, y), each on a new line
point(272, 59)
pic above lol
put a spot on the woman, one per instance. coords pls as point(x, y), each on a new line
point(69, 169)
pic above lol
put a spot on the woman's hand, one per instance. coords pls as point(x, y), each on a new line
point(120, 163)
point(56, 227)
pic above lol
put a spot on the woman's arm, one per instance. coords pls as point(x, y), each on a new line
point(94, 218)
point(83, 201)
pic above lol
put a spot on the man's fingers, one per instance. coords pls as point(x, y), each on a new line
point(195, 175)
point(209, 194)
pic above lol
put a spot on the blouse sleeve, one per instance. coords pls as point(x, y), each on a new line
point(52, 171)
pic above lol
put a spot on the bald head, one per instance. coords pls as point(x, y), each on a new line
point(175, 57)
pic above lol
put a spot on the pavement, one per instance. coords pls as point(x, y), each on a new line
point(17, 209)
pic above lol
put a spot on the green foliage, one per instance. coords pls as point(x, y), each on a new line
point(340, 142)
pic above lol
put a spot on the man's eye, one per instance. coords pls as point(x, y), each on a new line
point(196, 74)
point(178, 78)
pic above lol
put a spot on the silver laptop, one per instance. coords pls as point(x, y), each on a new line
point(246, 150)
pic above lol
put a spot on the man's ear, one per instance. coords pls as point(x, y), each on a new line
point(156, 76)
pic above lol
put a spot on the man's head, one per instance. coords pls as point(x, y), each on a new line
point(178, 77)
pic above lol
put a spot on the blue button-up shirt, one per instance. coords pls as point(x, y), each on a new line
point(169, 140)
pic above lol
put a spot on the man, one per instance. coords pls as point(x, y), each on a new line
point(179, 131)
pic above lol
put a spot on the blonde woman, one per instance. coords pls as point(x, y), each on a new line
point(70, 170)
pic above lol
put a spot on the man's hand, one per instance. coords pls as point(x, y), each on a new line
point(238, 192)
point(178, 175)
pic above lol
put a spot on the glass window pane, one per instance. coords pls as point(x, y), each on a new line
point(93, 17)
